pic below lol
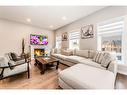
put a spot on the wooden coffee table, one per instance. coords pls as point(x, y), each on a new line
point(44, 61)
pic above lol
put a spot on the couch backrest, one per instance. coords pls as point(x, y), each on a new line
point(82, 53)
point(92, 53)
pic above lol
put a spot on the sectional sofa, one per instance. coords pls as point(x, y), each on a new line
point(88, 69)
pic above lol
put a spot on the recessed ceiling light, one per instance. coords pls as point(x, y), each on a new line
point(28, 20)
point(64, 18)
point(51, 26)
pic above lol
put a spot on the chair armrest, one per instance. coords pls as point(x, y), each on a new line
point(1, 67)
point(21, 61)
point(12, 65)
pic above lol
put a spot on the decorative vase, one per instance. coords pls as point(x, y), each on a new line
point(23, 47)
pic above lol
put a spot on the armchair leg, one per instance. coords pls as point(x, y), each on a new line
point(28, 74)
point(28, 70)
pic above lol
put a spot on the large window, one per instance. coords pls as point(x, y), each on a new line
point(58, 41)
point(110, 36)
point(74, 38)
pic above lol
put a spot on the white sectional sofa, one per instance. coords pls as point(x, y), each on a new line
point(86, 72)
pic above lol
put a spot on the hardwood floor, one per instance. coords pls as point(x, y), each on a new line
point(49, 80)
point(121, 81)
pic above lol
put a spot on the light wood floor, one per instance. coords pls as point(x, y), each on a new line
point(47, 81)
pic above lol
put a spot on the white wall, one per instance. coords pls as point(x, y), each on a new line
point(95, 18)
point(12, 33)
point(99, 16)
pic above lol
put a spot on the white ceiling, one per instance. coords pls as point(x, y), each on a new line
point(48, 17)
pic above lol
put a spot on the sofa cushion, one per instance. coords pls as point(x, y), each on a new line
point(82, 53)
point(86, 77)
point(74, 59)
point(82, 60)
point(91, 63)
point(60, 56)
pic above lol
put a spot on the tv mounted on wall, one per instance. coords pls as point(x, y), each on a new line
point(38, 39)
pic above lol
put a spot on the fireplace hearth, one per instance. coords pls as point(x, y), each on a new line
point(39, 52)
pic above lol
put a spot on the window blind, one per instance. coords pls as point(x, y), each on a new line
point(111, 26)
point(74, 35)
point(58, 38)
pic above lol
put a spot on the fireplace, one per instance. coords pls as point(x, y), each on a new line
point(39, 52)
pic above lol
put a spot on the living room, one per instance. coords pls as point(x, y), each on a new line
point(63, 33)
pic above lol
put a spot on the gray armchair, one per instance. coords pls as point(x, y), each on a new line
point(11, 68)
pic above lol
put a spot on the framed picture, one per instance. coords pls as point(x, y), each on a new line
point(65, 36)
point(87, 32)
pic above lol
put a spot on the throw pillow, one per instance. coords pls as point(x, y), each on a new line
point(98, 57)
point(14, 57)
point(107, 59)
point(58, 51)
point(11, 63)
point(67, 52)
point(9, 55)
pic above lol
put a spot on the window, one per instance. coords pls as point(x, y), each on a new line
point(110, 36)
point(58, 41)
point(74, 38)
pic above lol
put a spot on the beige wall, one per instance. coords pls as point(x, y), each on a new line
point(99, 16)
point(11, 34)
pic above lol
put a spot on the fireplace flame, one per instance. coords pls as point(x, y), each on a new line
point(38, 52)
